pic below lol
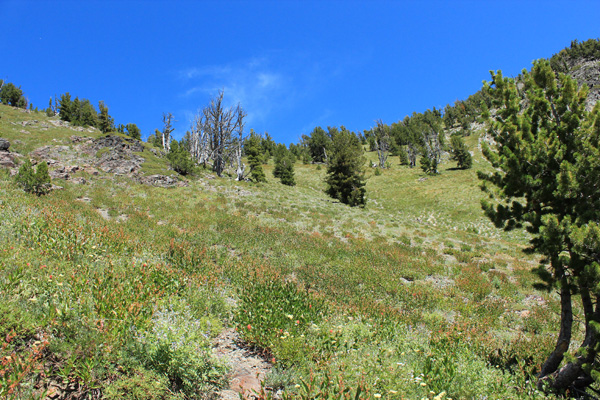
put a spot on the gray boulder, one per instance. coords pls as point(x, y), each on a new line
point(4, 144)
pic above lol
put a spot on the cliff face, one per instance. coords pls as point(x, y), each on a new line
point(582, 61)
point(587, 71)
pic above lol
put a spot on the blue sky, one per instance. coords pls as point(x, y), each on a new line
point(292, 65)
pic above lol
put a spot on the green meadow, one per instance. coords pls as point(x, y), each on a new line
point(114, 289)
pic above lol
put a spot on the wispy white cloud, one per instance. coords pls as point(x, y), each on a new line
point(258, 87)
point(272, 89)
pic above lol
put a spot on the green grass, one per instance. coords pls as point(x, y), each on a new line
point(415, 295)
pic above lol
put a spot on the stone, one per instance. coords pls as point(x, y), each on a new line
point(162, 181)
point(59, 173)
point(7, 159)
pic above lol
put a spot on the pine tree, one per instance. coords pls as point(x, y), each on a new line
point(546, 156)
point(133, 131)
point(50, 110)
point(429, 163)
point(284, 165)
point(181, 161)
point(345, 174)
point(403, 155)
point(34, 182)
point(12, 95)
point(64, 107)
point(105, 121)
point(253, 150)
point(460, 152)
point(318, 144)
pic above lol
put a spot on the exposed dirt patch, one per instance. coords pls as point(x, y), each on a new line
point(248, 368)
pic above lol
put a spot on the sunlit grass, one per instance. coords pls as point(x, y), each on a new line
point(416, 293)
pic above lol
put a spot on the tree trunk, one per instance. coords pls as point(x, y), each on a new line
point(564, 336)
point(572, 374)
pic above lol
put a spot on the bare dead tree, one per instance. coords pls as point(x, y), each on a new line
point(382, 142)
point(166, 132)
point(240, 140)
point(200, 145)
point(413, 151)
point(219, 124)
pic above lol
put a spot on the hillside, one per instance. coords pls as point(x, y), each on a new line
point(130, 281)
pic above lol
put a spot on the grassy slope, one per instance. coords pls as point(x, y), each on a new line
point(416, 293)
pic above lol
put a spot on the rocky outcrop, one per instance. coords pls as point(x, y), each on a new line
point(587, 72)
point(7, 159)
point(118, 143)
point(111, 154)
point(162, 181)
point(116, 154)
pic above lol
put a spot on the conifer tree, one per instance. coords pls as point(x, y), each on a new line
point(181, 161)
point(284, 165)
point(12, 95)
point(105, 121)
point(253, 150)
point(345, 174)
point(64, 107)
point(402, 155)
point(133, 131)
point(31, 181)
point(318, 144)
point(546, 155)
point(460, 152)
point(50, 110)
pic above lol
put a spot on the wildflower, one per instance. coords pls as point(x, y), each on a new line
point(290, 316)
point(297, 386)
point(440, 396)
point(377, 395)
point(393, 391)
point(249, 327)
point(423, 384)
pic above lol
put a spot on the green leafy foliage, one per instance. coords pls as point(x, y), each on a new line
point(36, 182)
point(177, 346)
point(275, 315)
point(141, 384)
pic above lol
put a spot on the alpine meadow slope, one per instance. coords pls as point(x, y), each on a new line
point(117, 283)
